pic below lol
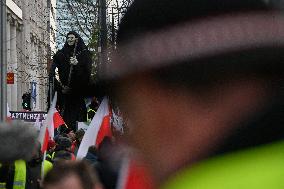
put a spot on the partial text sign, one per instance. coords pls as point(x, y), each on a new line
point(28, 116)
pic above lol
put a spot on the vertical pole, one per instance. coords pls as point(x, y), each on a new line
point(99, 34)
point(103, 35)
point(51, 79)
point(3, 62)
point(14, 63)
point(42, 165)
point(112, 27)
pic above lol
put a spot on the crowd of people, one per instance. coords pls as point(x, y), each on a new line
point(67, 170)
point(59, 167)
point(200, 85)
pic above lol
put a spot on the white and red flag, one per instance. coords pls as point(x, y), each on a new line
point(47, 130)
point(57, 120)
point(134, 174)
point(97, 130)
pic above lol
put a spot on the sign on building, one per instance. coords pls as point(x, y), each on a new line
point(33, 94)
point(28, 116)
point(10, 78)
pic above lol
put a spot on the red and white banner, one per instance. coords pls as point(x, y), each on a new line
point(134, 174)
point(97, 130)
point(47, 130)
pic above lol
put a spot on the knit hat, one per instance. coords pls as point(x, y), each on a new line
point(64, 142)
point(62, 155)
point(79, 134)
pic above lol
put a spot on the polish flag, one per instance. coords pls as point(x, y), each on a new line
point(133, 174)
point(57, 120)
point(97, 130)
point(47, 130)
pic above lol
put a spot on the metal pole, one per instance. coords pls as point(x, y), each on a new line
point(112, 27)
point(103, 35)
point(3, 62)
point(99, 50)
point(51, 79)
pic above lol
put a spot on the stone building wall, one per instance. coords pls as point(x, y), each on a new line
point(28, 51)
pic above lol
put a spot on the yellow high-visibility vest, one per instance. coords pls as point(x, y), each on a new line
point(50, 156)
point(261, 167)
point(90, 110)
point(20, 175)
point(47, 167)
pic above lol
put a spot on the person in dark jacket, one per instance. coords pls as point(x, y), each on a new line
point(78, 139)
point(33, 169)
point(108, 163)
point(63, 149)
point(92, 156)
point(73, 62)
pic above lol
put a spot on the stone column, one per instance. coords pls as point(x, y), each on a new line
point(26, 42)
point(9, 87)
point(21, 64)
point(14, 65)
point(37, 75)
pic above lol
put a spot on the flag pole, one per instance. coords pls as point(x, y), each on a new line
point(42, 165)
point(45, 135)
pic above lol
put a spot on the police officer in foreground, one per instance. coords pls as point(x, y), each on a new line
point(201, 83)
point(20, 157)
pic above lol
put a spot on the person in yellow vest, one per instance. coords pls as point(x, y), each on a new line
point(13, 175)
point(22, 174)
point(201, 85)
point(50, 150)
point(17, 176)
point(92, 109)
point(90, 114)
